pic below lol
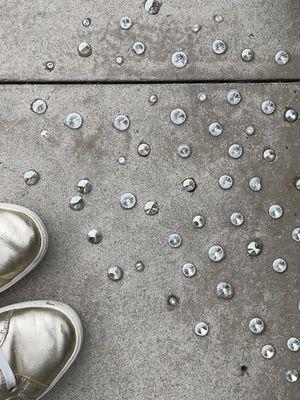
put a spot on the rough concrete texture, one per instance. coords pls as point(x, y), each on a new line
point(135, 347)
point(33, 33)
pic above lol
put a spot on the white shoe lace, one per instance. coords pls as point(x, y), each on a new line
point(6, 372)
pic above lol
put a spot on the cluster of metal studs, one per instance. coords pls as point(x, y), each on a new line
point(179, 59)
point(216, 253)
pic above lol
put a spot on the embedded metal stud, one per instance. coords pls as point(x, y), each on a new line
point(291, 115)
point(94, 236)
point(122, 160)
point(255, 248)
point(250, 130)
point(39, 106)
point(152, 6)
point(84, 186)
point(202, 97)
point(178, 116)
point(225, 290)
point(279, 265)
point(237, 219)
point(282, 57)
point(215, 129)
point(179, 59)
point(173, 301)
point(297, 183)
point(196, 28)
point(139, 48)
point(121, 122)
point(275, 211)
point(219, 46)
point(257, 326)
point(218, 18)
point(115, 273)
point(216, 253)
point(189, 185)
point(144, 149)
point(153, 99)
point(120, 60)
point(31, 177)
point(189, 270)
point(184, 150)
point(234, 97)
point(151, 208)
point(268, 107)
point(198, 221)
point(126, 23)
point(174, 240)
point(225, 182)
point(86, 22)
point(74, 121)
point(255, 184)
point(140, 266)
point(50, 65)
point(84, 49)
point(296, 235)
point(76, 203)
point(292, 375)
point(128, 200)
point(268, 351)
point(247, 55)
point(269, 155)
point(293, 344)
point(201, 329)
point(235, 151)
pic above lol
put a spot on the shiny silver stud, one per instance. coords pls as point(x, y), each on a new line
point(152, 6)
point(120, 60)
point(189, 185)
point(247, 55)
point(86, 22)
point(269, 155)
point(153, 99)
point(250, 130)
point(297, 183)
point(216, 253)
point(218, 18)
point(178, 116)
point(198, 221)
point(282, 57)
point(121, 122)
point(279, 265)
point(151, 207)
point(76, 203)
point(235, 151)
point(128, 200)
point(84, 49)
point(293, 344)
point(255, 184)
point(225, 290)
point(215, 129)
point(179, 59)
point(139, 48)
point(84, 186)
point(202, 97)
point(201, 329)
point(94, 236)
point(219, 46)
point(292, 375)
point(255, 248)
point(189, 270)
point(225, 182)
point(74, 121)
point(268, 351)
point(275, 211)
point(291, 115)
point(296, 234)
point(268, 107)
point(122, 160)
point(196, 28)
point(257, 326)
point(126, 23)
point(234, 97)
point(174, 240)
point(39, 106)
point(140, 266)
point(237, 219)
point(50, 65)
point(115, 273)
point(31, 177)
point(173, 301)
point(144, 149)
point(184, 150)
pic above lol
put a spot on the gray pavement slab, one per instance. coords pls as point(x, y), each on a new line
point(136, 347)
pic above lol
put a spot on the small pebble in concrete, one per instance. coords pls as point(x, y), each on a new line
point(84, 186)
point(216, 253)
point(74, 121)
point(115, 273)
point(84, 49)
point(201, 329)
point(179, 59)
point(31, 177)
point(39, 106)
point(121, 122)
point(257, 326)
point(76, 203)
point(94, 236)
